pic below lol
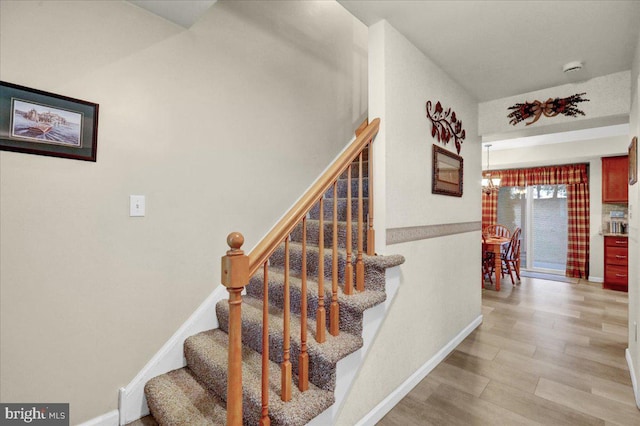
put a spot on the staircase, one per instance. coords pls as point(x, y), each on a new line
point(197, 393)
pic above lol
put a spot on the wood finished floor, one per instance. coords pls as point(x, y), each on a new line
point(547, 352)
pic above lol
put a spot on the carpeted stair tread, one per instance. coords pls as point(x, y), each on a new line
point(327, 209)
point(354, 169)
point(322, 357)
point(206, 355)
point(313, 234)
point(374, 266)
point(343, 186)
point(179, 398)
point(144, 421)
point(351, 306)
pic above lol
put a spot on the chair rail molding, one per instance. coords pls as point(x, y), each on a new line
point(416, 233)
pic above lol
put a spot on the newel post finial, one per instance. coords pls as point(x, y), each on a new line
point(235, 276)
point(235, 265)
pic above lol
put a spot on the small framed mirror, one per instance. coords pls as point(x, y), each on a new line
point(447, 173)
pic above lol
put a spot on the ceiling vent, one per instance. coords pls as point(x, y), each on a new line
point(575, 72)
point(572, 67)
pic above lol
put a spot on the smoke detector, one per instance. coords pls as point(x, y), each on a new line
point(572, 67)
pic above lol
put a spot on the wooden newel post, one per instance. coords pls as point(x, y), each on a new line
point(235, 276)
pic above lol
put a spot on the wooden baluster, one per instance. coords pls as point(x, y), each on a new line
point(371, 237)
point(286, 345)
point(303, 358)
point(334, 311)
point(321, 316)
point(359, 264)
point(235, 276)
point(264, 418)
point(348, 272)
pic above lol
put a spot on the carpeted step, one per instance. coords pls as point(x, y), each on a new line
point(144, 421)
point(313, 234)
point(322, 357)
point(206, 355)
point(351, 306)
point(314, 212)
point(354, 170)
point(374, 266)
point(179, 398)
point(343, 186)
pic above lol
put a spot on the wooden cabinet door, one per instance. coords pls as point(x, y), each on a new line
point(615, 179)
point(616, 263)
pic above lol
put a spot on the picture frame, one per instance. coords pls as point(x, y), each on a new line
point(633, 161)
point(37, 122)
point(447, 172)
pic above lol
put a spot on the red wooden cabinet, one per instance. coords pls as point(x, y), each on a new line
point(616, 263)
point(615, 179)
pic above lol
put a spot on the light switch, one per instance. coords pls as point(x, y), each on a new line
point(136, 205)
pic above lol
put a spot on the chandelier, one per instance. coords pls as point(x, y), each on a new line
point(489, 184)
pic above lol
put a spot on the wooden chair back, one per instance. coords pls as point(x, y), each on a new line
point(513, 249)
point(496, 230)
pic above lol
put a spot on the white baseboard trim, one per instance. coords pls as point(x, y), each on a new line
point(380, 410)
point(109, 419)
point(596, 279)
point(634, 382)
point(132, 402)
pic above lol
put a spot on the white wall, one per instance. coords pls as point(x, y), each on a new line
point(440, 292)
point(201, 121)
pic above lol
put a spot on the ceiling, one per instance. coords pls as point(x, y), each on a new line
point(497, 49)
point(494, 49)
point(182, 12)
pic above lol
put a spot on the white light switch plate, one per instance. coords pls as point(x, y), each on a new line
point(136, 205)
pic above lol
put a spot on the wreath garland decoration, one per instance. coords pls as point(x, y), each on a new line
point(549, 108)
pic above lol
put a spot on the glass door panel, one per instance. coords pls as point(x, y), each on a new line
point(541, 212)
point(549, 227)
point(512, 213)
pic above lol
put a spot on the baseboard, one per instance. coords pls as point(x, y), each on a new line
point(595, 279)
point(380, 410)
point(132, 402)
point(109, 419)
point(634, 382)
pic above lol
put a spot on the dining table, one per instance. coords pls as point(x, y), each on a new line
point(494, 244)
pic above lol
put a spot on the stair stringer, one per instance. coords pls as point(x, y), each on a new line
point(132, 402)
point(348, 368)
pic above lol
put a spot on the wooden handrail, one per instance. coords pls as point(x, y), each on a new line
point(263, 250)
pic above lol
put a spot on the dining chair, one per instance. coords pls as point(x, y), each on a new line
point(511, 256)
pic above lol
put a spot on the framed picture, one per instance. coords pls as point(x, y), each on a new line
point(633, 161)
point(447, 173)
point(42, 123)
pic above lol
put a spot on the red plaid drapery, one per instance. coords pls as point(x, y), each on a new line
point(576, 178)
point(489, 209)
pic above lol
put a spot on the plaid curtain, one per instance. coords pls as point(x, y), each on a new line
point(578, 232)
point(489, 209)
point(576, 178)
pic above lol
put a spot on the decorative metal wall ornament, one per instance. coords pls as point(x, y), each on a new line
point(445, 125)
point(549, 108)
